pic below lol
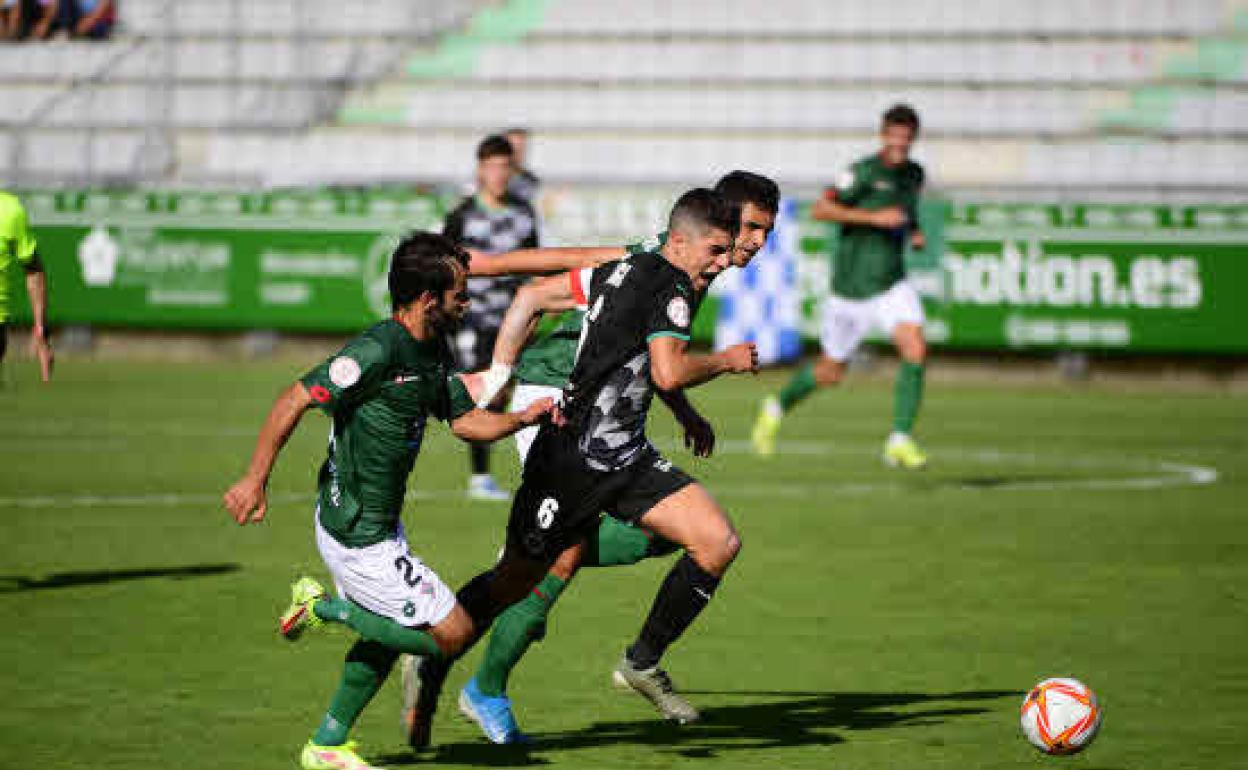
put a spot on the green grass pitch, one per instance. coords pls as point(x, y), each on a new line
point(875, 619)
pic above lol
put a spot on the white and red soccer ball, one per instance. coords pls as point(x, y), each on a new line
point(1061, 716)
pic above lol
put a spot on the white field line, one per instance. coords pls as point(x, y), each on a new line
point(1150, 474)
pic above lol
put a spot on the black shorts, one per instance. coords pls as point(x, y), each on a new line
point(561, 497)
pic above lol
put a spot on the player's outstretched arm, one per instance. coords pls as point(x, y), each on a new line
point(673, 367)
point(544, 295)
point(541, 261)
point(484, 425)
point(828, 209)
point(247, 500)
point(699, 435)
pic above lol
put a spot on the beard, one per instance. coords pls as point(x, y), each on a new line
point(445, 323)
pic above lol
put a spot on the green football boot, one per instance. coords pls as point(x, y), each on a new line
point(299, 616)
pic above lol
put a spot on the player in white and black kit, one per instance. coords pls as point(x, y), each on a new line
point(635, 340)
point(492, 221)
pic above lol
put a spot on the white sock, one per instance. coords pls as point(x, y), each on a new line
point(771, 406)
point(896, 437)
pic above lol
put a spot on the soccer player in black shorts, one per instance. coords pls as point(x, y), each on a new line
point(635, 341)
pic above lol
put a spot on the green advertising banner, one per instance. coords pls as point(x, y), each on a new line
point(313, 261)
point(1087, 276)
point(994, 276)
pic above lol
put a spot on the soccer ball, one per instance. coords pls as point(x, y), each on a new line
point(1061, 716)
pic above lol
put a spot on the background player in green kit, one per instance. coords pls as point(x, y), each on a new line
point(541, 371)
point(18, 248)
point(379, 390)
point(875, 202)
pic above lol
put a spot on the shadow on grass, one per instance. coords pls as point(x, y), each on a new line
point(10, 584)
point(784, 719)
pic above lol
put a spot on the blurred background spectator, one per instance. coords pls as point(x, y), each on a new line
point(21, 19)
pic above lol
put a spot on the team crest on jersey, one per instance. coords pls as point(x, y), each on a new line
point(344, 371)
point(678, 311)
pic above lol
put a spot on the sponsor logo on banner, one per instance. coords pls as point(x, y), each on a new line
point(1029, 275)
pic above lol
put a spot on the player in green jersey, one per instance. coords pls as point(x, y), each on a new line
point(380, 389)
point(541, 371)
point(875, 201)
point(18, 249)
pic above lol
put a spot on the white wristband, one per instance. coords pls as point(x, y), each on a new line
point(493, 380)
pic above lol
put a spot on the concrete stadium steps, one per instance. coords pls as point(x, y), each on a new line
point(992, 62)
point(282, 18)
point(919, 18)
point(63, 62)
point(136, 105)
point(352, 155)
point(1009, 111)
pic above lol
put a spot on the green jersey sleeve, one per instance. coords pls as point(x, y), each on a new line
point(349, 376)
point(850, 186)
point(457, 401)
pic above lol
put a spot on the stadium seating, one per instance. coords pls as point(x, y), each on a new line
point(143, 105)
point(1067, 93)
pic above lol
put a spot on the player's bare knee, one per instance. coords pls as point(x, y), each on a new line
point(454, 633)
point(828, 372)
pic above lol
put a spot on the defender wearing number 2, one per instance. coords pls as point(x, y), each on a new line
point(379, 390)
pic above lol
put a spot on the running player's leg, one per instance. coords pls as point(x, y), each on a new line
point(474, 346)
point(524, 622)
point(675, 507)
point(693, 519)
point(845, 322)
point(554, 510)
point(900, 312)
point(396, 604)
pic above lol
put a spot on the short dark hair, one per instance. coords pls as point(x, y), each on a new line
point(702, 210)
point(901, 115)
point(742, 187)
point(423, 262)
point(494, 146)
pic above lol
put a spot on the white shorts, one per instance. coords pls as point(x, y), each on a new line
point(847, 321)
point(387, 580)
point(522, 397)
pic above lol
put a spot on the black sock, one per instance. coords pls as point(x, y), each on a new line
point(686, 590)
point(479, 454)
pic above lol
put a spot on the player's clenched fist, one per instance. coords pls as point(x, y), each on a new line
point(741, 358)
point(539, 409)
point(246, 500)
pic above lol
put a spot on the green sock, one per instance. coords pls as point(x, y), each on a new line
point(616, 543)
point(907, 395)
point(375, 628)
point(368, 664)
point(799, 387)
point(522, 624)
